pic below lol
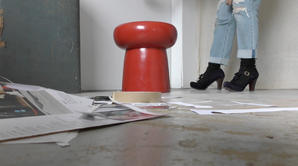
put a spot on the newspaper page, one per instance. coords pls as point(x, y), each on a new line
point(27, 111)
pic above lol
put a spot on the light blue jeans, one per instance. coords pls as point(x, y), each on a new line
point(242, 19)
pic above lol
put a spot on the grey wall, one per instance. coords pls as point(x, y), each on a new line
point(42, 43)
point(278, 52)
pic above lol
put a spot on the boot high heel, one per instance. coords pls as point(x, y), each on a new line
point(252, 85)
point(219, 83)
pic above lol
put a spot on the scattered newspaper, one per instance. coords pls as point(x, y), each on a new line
point(61, 139)
point(27, 111)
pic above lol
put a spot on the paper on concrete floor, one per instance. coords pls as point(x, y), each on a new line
point(27, 113)
point(72, 102)
point(202, 112)
point(243, 111)
point(24, 87)
point(190, 105)
point(61, 139)
point(252, 104)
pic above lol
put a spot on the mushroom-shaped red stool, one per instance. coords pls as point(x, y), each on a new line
point(145, 64)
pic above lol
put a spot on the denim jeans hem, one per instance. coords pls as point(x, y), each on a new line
point(218, 60)
point(247, 53)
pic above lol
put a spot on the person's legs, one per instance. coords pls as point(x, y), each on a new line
point(224, 34)
point(221, 48)
point(246, 17)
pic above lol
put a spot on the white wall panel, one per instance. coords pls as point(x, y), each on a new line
point(101, 59)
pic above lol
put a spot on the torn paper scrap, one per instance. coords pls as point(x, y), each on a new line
point(190, 105)
point(202, 112)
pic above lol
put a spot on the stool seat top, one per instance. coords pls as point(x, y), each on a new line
point(145, 34)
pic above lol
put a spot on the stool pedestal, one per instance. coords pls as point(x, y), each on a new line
point(146, 69)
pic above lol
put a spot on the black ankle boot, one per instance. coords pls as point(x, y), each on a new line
point(247, 75)
point(213, 73)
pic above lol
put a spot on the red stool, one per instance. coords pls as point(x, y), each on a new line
point(145, 64)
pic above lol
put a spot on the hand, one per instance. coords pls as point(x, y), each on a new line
point(229, 2)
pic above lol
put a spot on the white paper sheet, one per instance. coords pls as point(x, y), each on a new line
point(202, 112)
point(243, 111)
point(72, 102)
point(190, 105)
point(24, 87)
point(253, 104)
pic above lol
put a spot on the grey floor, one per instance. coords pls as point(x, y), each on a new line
point(184, 138)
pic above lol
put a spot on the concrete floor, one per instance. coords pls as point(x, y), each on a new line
point(183, 139)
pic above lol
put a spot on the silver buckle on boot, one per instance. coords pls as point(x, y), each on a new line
point(246, 73)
